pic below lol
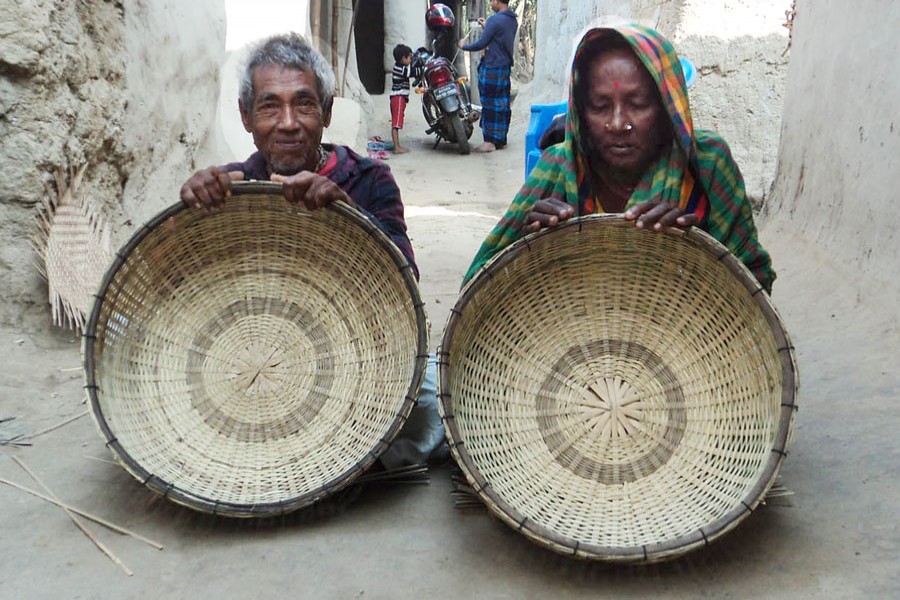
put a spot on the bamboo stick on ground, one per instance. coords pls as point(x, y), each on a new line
point(103, 460)
point(57, 426)
point(85, 514)
point(77, 521)
point(18, 440)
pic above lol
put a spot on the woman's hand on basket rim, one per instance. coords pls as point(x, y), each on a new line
point(209, 187)
point(659, 215)
point(311, 189)
point(547, 213)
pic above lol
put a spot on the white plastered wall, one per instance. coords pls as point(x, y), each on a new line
point(840, 144)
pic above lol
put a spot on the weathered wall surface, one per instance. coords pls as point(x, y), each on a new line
point(738, 47)
point(174, 51)
point(560, 24)
point(61, 103)
point(840, 147)
point(121, 86)
point(740, 50)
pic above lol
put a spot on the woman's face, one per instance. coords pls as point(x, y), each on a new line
point(622, 112)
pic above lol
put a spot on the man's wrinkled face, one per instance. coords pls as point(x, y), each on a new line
point(286, 118)
point(622, 111)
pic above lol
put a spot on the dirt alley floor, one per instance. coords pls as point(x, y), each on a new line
point(839, 538)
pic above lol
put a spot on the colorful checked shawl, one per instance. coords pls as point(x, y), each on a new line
point(697, 173)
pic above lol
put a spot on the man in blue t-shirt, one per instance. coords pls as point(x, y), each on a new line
point(498, 39)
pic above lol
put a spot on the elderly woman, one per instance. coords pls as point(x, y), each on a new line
point(630, 146)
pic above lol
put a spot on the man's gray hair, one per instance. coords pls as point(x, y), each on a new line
point(289, 50)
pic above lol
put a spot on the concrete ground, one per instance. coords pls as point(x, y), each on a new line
point(839, 538)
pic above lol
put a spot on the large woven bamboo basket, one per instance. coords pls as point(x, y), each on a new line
point(253, 360)
point(617, 394)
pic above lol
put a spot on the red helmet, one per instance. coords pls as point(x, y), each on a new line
point(439, 16)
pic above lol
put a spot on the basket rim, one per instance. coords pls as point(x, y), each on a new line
point(649, 553)
point(268, 509)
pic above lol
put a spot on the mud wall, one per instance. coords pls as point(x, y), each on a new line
point(840, 147)
point(174, 51)
point(122, 86)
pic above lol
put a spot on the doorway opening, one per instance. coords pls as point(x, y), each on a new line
point(369, 38)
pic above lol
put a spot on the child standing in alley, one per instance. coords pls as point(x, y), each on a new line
point(402, 72)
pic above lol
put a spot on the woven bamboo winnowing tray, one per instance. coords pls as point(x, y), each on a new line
point(617, 394)
point(253, 360)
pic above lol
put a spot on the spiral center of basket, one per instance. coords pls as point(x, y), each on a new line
point(613, 407)
point(611, 411)
point(260, 369)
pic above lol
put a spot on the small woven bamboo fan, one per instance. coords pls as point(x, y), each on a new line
point(617, 394)
point(253, 360)
point(73, 248)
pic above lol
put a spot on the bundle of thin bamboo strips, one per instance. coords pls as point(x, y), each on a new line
point(73, 248)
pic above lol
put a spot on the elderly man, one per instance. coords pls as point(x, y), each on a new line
point(285, 100)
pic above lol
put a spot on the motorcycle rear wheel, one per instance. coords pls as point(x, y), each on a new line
point(459, 132)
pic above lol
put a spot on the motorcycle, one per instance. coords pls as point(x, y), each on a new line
point(445, 102)
point(446, 105)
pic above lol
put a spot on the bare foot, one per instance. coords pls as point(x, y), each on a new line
point(400, 150)
point(485, 147)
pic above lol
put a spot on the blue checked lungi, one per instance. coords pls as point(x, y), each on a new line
point(494, 89)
